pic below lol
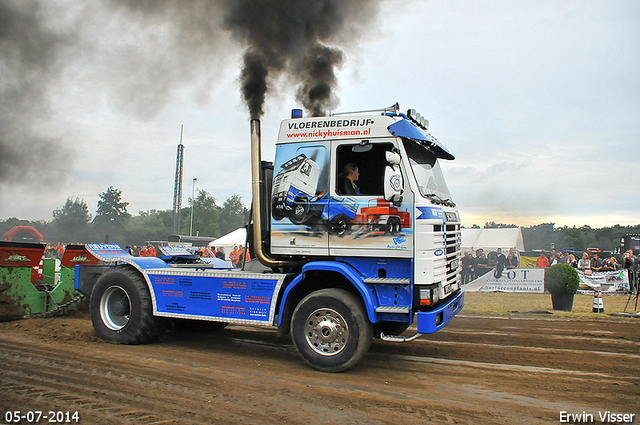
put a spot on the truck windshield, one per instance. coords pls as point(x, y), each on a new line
point(427, 173)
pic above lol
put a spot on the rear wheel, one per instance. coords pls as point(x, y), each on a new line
point(330, 330)
point(121, 308)
point(395, 225)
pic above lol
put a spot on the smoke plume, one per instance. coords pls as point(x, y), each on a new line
point(293, 36)
point(319, 79)
point(135, 57)
point(28, 65)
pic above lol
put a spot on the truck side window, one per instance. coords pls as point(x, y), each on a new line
point(370, 168)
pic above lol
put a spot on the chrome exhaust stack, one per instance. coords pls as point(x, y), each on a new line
point(256, 188)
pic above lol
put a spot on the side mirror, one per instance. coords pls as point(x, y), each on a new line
point(393, 158)
point(393, 182)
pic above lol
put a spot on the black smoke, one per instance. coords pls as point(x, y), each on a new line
point(137, 56)
point(294, 36)
point(296, 39)
point(28, 66)
point(317, 91)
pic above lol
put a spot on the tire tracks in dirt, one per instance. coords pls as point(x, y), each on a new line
point(477, 370)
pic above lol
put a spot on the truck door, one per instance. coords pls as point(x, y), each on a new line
point(361, 222)
point(299, 198)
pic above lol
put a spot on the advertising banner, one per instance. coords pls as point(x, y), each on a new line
point(510, 280)
point(609, 281)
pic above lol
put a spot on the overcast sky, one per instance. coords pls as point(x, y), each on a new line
point(538, 100)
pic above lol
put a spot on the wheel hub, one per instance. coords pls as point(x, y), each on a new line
point(115, 308)
point(326, 332)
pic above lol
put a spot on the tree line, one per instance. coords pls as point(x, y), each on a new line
point(73, 223)
point(546, 236)
point(112, 223)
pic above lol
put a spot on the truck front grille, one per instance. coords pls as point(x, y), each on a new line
point(453, 241)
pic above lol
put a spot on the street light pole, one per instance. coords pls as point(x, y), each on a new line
point(193, 204)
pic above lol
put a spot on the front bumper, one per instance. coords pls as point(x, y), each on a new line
point(434, 320)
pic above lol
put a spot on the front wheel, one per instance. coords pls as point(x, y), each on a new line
point(330, 330)
point(300, 210)
point(121, 308)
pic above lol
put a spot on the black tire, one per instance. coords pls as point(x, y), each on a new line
point(330, 330)
point(121, 308)
point(276, 213)
point(340, 224)
point(300, 210)
point(395, 225)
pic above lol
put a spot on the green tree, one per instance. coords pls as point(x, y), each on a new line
point(146, 227)
point(111, 215)
point(205, 215)
point(71, 223)
point(574, 237)
point(233, 214)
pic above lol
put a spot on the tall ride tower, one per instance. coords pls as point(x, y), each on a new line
point(177, 187)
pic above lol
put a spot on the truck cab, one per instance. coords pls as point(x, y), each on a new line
point(401, 225)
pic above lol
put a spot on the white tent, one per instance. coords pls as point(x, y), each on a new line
point(228, 241)
point(492, 239)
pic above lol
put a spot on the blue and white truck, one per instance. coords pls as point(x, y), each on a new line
point(328, 274)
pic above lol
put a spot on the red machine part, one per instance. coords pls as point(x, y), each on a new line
point(77, 254)
point(21, 254)
point(372, 215)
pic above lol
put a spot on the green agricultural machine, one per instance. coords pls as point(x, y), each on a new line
point(31, 285)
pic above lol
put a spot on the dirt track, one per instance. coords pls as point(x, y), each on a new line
point(479, 370)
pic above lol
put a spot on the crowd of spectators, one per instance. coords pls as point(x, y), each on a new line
point(54, 250)
point(235, 256)
point(475, 266)
point(588, 262)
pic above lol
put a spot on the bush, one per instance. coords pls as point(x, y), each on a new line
point(561, 279)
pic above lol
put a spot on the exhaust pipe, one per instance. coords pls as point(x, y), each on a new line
point(256, 188)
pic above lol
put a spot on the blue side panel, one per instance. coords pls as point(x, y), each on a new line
point(432, 321)
point(76, 277)
point(393, 295)
point(396, 268)
point(147, 262)
point(242, 298)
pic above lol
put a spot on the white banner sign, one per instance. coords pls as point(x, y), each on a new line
point(617, 280)
point(510, 280)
